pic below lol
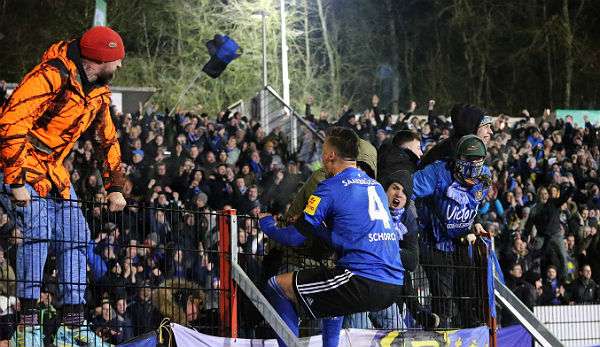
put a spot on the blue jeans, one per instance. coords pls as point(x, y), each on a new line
point(387, 319)
point(60, 224)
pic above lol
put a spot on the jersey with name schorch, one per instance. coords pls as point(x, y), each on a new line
point(354, 210)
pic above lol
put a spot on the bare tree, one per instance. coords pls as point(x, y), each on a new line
point(395, 56)
point(569, 28)
point(331, 54)
point(307, 60)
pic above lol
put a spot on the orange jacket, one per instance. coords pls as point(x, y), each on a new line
point(45, 116)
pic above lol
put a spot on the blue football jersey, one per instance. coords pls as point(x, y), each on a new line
point(354, 210)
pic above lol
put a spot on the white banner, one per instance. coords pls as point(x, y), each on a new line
point(186, 337)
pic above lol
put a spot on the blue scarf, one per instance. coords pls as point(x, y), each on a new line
point(493, 266)
point(396, 217)
point(458, 193)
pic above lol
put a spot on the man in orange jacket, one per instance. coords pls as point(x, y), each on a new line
point(57, 101)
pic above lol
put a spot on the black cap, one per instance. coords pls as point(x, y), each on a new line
point(531, 277)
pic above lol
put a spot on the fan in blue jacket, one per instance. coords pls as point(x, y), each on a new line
point(448, 194)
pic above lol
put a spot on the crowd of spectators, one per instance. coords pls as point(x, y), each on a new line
point(543, 207)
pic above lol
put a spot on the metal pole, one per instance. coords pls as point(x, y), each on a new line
point(184, 92)
point(100, 13)
point(228, 314)
point(284, 57)
point(264, 47)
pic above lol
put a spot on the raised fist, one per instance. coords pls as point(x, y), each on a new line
point(375, 100)
point(431, 104)
point(412, 106)
point(546, 112)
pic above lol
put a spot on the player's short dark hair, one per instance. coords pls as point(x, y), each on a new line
point(344, 140)
point(405, 136)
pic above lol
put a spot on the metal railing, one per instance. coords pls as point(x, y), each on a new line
point(149, 262)
point(276, 115)
point(466, 305)
point(525, 317)
point(125, 271)
point(573, 325)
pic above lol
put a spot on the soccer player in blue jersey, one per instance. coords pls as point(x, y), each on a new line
point(349, 212)
point(448, 194)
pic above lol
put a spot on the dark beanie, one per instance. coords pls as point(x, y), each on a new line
point(401, 176)
point(466, 119)
point(102, 44)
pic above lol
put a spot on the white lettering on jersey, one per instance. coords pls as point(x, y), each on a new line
point(377, 210)
point(374, 237)
point(459, 216)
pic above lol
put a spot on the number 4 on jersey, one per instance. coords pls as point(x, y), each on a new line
point(377, 210)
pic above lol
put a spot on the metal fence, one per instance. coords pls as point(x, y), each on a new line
point(278, 116)
point(124, 271)
point(132, 268)
point(452, 286)
point(573, 325)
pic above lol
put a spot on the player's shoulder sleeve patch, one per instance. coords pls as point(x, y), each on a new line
point(311, 206)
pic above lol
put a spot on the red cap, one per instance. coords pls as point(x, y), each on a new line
point(102, 44)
